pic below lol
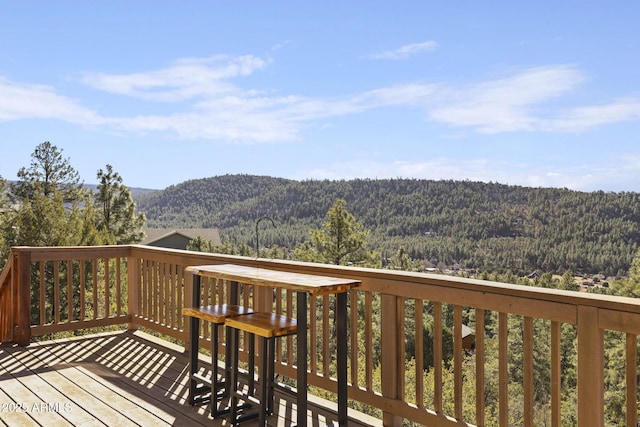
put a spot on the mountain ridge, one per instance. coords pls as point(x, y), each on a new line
point(487, 226)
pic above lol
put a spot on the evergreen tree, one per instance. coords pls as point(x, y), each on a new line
point(46, 220)
point(402, 261)
point(52, 172)
point(117, 210)
point(341, 241)
point(8, 235)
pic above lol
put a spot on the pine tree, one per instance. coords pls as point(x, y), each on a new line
point(52, 172)
point(341, 241)
point(117, 210)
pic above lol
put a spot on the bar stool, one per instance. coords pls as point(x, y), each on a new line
point(267, 326)
point(199, 385)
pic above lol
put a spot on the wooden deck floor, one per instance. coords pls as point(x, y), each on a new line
point(114, 379)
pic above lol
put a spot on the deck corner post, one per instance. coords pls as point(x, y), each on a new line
point(389, 351)
point(590, 368)
point(133, 290)
point(21, 304)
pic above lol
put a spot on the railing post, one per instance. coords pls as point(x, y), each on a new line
point(21, 297)
point(590, 368)
point(133, 290)
point(389, 355)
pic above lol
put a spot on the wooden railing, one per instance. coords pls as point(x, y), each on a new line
point(398, 323)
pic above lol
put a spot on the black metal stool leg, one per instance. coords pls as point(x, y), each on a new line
point(216, 392)
point(193, 362)
point(264, 383)
point(228, 364)
point(234, 376)
point(271, 358)
point(252, 363)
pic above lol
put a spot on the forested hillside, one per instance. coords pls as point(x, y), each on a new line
point(490, 227)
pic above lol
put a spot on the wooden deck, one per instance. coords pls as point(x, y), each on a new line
point(115, 379)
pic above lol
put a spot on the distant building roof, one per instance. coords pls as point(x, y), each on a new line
point(179, 238)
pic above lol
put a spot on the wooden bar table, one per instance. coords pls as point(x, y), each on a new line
point(304, 285)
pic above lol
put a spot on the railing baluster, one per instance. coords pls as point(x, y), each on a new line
point(419, 356)
point(278, 310)
point(479, 353)
point(94, 284)
point(162, 293)
point(528, 371)
point(353, 327)
point(156, 292)
point(289, 313)
point(631, 342)
point(325, 336)
point(41, 282)
point(107, 287)
point(118, 287)
point(368, 327)
point(173, 286)
point(503, 370)
point(167, 295)
point(402, 352)
point(146, 289)
point(437, 357)
point(69, 264)
point(313, 334)
point(56, 292)
point(556, 382)
point(82, 285)
point(181, 289)
point(457, 360)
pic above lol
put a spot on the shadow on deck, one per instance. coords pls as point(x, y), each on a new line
point(116, 379)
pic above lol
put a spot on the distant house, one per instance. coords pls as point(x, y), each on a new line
point(533, 275)
point(179, 238)
point(468, 338)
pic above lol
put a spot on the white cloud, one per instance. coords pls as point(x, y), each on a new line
point(25, 101)
point(584, 118)
point(186, 79)
point(504, 105)
point(200, 101)
point(406, 51)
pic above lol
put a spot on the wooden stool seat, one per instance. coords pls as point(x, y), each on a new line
point(268, 326)
point(199, 385)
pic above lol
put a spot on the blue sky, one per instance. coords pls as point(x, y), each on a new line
point(543, 94)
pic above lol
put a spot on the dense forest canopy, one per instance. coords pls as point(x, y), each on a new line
point(484, 226)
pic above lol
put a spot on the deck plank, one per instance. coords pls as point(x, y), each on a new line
point(30, 389)
point(123, 378)
point(109, 405)
point(11, 413)
point(150, 406)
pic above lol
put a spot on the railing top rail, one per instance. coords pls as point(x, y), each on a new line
point(59, 253)
point(400, 283)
